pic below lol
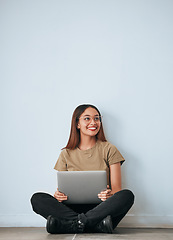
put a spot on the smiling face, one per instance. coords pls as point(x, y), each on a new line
point(89, 122)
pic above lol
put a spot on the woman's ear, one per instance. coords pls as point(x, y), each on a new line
point(78, 126)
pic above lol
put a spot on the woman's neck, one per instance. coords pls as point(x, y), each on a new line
point(87, 143)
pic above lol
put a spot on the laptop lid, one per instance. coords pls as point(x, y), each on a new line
point(82, 187)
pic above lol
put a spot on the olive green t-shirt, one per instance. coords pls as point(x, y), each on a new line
point(99, 157)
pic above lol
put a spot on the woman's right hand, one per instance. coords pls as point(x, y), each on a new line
point(60, 196)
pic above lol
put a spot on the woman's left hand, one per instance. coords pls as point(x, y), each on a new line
point(105, 194)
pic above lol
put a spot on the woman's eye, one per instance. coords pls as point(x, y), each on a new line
point(87, 118)
point(96, 118)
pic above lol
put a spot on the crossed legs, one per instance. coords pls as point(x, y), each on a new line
point(117, 206)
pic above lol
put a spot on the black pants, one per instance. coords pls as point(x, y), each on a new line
point(117, 206)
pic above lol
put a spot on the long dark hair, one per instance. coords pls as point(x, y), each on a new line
point(74, 137)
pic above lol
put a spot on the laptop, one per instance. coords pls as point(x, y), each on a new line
point(82, 187)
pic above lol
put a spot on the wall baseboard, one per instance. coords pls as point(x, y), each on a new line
point(147, 221)
point(130, 221)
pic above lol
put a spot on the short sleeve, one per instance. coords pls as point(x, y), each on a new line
point(114, 156)
point(61, 164)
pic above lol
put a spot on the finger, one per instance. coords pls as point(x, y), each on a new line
point(103, 199)
point(58, 190)
point(106, 191)
point(103, 192)
point(101, 195)
point(109, 190)
point(104, 196)
point(62, 198)
point(60, 194)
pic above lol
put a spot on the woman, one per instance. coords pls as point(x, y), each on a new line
point(87, 149)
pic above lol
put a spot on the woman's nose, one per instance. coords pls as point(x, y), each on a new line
point(93, 121)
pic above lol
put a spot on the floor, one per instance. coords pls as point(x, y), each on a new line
point(119, 234)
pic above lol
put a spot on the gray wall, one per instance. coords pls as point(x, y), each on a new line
point(56, 55)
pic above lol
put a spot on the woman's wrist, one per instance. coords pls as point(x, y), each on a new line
point(113, 191)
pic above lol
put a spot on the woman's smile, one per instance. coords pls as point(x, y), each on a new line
point(92, 128)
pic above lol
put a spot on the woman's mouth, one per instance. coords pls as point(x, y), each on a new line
point(92, 128)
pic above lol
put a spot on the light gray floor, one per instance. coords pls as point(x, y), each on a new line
point(119, 234)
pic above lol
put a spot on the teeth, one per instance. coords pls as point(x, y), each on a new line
point(91, 128)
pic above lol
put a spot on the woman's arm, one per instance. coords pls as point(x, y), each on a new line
point(115, 178)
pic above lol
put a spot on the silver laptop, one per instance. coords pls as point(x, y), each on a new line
point(82, 187)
